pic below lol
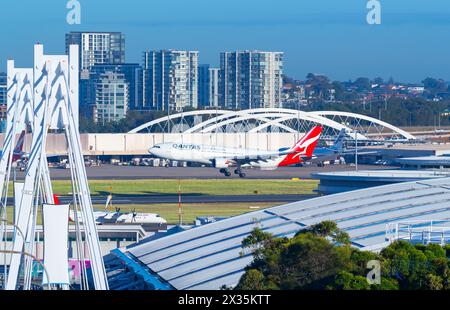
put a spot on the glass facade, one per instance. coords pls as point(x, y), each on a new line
point(3, 88)
point(251, 79)
point(203, 85)
point(98, 47)
point(3, 100)
point(214, 92)
point(133, 75)
point(171, 80)
point(111, 98)
point(208, 86)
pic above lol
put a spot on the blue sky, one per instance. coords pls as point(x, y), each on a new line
point(320, 36)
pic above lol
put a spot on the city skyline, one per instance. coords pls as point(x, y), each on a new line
point(169, 80)
point(320, 37)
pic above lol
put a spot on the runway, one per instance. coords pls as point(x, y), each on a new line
point(173, 199)
point(188, 198)
point(112, 172)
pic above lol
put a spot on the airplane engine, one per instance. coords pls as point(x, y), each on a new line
point(222, 163)
point(284, 149)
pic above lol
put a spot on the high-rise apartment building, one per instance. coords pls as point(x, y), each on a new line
point(111, 98)
point(133, 75)
point(101, 53)
point(3, 88)
point(98, 47)
point(3, 100)
point(208, 86)
point(251, 79)
point(214, 89)
point(171, 80)
point(203, 85)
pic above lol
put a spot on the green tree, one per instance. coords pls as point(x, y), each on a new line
point(348, 281)
point(308, 260)
point(378, 81)
point(363, 84)
point(433, 282)
point(252, 280)
point(313, 259)
point(435, 86)
point(328, 229)
point(258, 242)
point(416, 267)
point(320, 84)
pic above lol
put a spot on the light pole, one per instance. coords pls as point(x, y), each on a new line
point(356, 150)
point(180, 210)
point(439, 120)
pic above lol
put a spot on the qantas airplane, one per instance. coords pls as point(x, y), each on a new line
point(224, 158)
point(18, 153)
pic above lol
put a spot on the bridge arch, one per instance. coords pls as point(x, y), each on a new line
point(288, 120)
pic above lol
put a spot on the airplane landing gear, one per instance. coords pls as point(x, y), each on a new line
point(225, 172)
point(239, 172)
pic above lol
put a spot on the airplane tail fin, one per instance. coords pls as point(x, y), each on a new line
point(19, 146)
point(303, 148)
point(339, 143)
point(306, 145)
point(18, 150)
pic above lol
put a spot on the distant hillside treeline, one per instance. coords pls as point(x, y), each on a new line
point(399, 112)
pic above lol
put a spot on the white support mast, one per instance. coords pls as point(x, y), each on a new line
point(19, 107)
point(55, 106)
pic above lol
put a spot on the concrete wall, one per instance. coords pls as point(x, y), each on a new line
point(138, 144)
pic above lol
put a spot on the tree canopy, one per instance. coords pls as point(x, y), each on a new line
point(321, 257)
point(131, 121)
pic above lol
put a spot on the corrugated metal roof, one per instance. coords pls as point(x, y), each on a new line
point(426, 160)
point(210, 256)
point(412, 175)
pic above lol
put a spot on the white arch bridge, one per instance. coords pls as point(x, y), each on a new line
point(274, 120)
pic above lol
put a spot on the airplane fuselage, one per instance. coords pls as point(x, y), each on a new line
point(220, 157)
point(224, 158)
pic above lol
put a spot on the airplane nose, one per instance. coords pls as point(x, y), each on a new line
point(154, 151)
